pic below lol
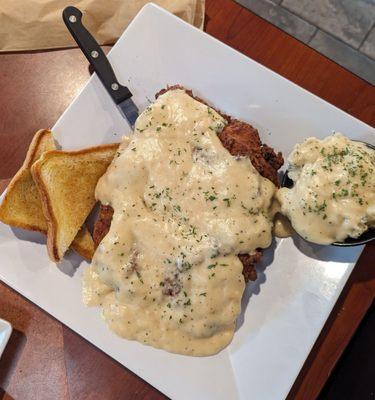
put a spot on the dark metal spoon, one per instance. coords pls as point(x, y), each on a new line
point(366, 237)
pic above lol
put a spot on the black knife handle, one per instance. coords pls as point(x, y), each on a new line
point(95, 55)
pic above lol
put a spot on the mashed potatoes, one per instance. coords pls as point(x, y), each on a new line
point(333, 196)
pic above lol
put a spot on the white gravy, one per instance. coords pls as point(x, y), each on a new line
point(333, 196)
point(167, 273)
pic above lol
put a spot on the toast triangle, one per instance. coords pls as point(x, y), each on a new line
point(66, 181)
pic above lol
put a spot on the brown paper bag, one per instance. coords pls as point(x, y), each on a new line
point(37, 24)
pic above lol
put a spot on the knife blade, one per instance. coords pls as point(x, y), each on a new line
point(120, 94)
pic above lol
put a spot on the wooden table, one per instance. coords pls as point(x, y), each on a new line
point(46, 360)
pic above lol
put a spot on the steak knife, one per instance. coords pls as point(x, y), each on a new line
point(120, 94)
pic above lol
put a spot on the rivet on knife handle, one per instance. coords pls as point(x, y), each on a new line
point(95, 55)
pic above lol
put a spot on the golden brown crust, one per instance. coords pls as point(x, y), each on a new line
point(15, 222)
point(102, 224)
point(242, 139)
point(25, 169)
point(248, 261)
point(83, 252)
point(47, 211)
point(87, 150)
point(83, 244)
point(34, 145)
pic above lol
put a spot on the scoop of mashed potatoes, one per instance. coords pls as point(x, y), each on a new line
point(333, 196)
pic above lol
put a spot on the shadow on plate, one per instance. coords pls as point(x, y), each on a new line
point(327, 252)
point(253, 288)
point(69, 264)
point(324, 253)
point(29, 236)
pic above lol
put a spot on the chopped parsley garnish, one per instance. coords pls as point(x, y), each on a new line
point(139, 276)
point(227, 200)
point(344, 193)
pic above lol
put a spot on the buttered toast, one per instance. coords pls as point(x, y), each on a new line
point(66, 183)
point(22, 207)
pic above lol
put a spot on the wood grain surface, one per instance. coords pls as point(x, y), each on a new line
point(44, 359)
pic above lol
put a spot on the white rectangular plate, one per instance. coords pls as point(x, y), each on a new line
point(5, 331)
point(298, 283)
